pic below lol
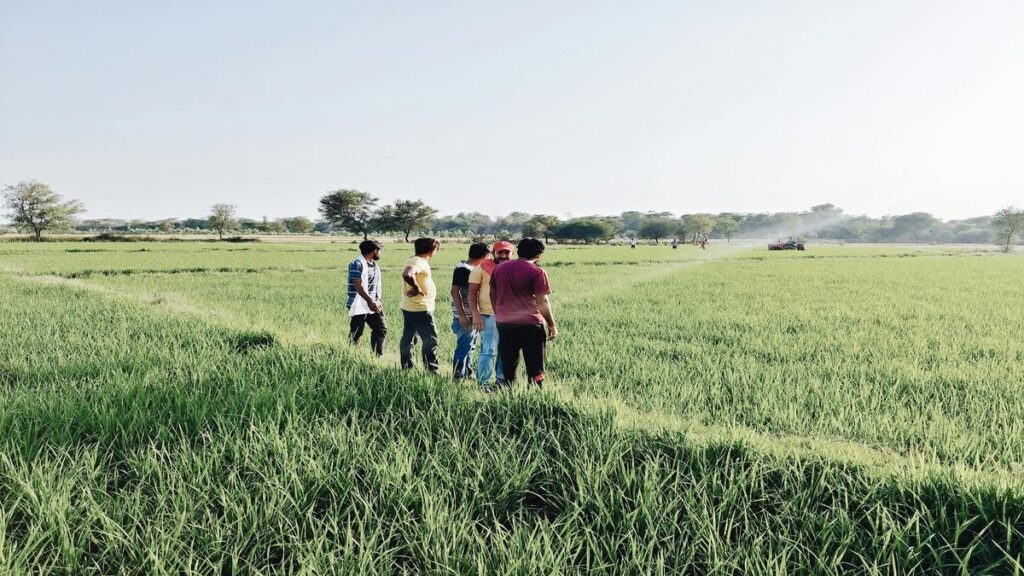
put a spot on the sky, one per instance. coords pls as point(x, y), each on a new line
point(154, 109)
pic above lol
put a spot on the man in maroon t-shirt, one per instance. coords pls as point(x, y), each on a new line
point(519, 294)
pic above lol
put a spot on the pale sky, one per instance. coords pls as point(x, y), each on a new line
point(155, 109)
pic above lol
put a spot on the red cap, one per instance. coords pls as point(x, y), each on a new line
point(503, 245)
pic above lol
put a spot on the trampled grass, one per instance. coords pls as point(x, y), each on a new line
point(213, 421)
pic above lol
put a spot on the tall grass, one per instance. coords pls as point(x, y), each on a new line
point(137, 439)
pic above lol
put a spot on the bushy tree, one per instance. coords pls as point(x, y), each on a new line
point(703, 225)
point(352, 210)
point(475, 222)
point(406, 216)
point(917, 225)
point(298, 225)
point(727, 227)
point(656, 228)
point(35, 208)
point(1009, 223)
point(222, 218)
point(631, 220)
point(512, 222)
point(268, 226)
point(589, 229)
point(540, 226)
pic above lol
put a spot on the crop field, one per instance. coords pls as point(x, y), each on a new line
point(194, 408)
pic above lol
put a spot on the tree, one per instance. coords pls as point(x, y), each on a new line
point(588, 229)
point(298, 225)
point(166, 225)
point(222, 218)
point(631, 220)
point(728, 227)
point(656, 228)
point(540, 226)
point(475, 222)
point(268, 226)
point(917, 224)
point(826, 212)
point(703, 225)
point(1008, 222)
point(350, 209)
point(406, 216)
point(513, 222)
point(684, 224)
point(35, 208)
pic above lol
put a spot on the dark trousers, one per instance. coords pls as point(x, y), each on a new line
point(531, 341)
point(419, 325)
point(378, 330)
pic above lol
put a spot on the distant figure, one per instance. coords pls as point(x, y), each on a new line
point(462, 315)
point(418, 305)
point(364, 297)
point(632, 243)
point(704, 244)
point(519, 292)
point(675, 243)
point(489, 361)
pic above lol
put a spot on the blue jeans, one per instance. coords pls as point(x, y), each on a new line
point(465, 342)
point(488, 363)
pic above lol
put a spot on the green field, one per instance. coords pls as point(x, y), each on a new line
point(194, 408)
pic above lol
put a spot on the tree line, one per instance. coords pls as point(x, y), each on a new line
point(34, 208)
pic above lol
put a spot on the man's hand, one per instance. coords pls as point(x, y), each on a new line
point(413, 291)
point(478, 323)
point(552, 332)
point(376, 308)
point(465, 323)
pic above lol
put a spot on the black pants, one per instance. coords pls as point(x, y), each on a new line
point(531, 340)
point(419, 324)
point(378, 330)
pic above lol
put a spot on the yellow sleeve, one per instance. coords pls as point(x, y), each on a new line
point(476, 276)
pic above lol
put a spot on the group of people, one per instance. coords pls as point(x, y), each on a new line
point(498, 302)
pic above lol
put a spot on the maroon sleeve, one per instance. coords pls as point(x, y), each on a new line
point(540, 283)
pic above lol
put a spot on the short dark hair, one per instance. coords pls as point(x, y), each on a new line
point(425, 245)
point(530, 248)
point(478, 250)
point(369, 246)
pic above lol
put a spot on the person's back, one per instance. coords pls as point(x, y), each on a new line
point(519, 292)
point(517, 283)
point(417, 306)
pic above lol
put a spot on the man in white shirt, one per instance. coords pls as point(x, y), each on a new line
point(364, 296)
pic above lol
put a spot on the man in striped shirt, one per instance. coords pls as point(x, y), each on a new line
point(364, 297)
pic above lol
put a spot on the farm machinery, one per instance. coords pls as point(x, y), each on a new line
point(787, 245)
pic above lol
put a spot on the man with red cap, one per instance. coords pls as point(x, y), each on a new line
point(488, 362)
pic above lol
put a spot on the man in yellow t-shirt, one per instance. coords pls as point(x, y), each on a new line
point(488, 362)
point(418, 299)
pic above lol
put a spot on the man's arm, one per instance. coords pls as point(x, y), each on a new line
point(460, 307)
point(409, 275)
point(544, 304)
point(474, 306)
point(357, 283)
